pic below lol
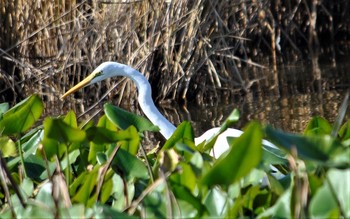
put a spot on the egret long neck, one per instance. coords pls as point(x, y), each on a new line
point(146, 102)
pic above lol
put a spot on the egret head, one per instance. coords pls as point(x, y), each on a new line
point(102, 72)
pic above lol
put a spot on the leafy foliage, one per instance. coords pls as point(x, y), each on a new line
point(96, 171)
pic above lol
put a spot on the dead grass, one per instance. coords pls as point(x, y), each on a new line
point(188, 49)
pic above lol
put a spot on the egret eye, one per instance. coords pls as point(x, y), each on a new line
point(98, 74)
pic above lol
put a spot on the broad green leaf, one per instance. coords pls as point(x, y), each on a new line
point(336, 191)
point(339, 182)
point(96, 150)
point(76, 211)
point(323, 204)
point(44, 196)
point(72, 157)
point(101, 135)
point(28, 147)
point(104, 122)
point(7, 147)
point(107, 187)
point(82, 188)
point(129, 140)
point(122, 192)
point(183, 134)
point(27, 186)
point(3, 108)
point(123, 119)
point(105, 132)
point(244, 154)
point(36, 168)
point(344, 133)
point(22, 116)
point(59, 130)
point(58, 135)
point(186, 177)
point(217, 202)
point(318, 126)
point(313, 147)
point(129, 166)
point(71, 119)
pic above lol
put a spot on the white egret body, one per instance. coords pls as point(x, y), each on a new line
point(112, 69)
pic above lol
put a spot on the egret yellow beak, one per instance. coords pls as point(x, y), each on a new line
point(81, 84)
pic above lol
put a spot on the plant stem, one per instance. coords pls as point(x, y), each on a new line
point(67, 168)
point(21, 156)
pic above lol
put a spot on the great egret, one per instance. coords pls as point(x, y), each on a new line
point(112, 69)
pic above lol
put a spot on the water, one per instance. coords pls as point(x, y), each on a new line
point(289, 106)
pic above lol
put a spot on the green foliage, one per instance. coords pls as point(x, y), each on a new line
point(21, 117)
point(94, 171)
point(244, 155)
point(123, 119)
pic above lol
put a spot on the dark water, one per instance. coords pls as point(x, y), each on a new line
point(289, 106)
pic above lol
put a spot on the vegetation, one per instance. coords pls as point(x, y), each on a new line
point(59, 169)
point(55, 168)
point(188, 49)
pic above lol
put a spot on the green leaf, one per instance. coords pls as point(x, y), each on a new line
point(82, 188)
point(22, 116)
point(129, 139)
point(344, 133)
point(336, 191)
point(7, 147)
point(244, 154)
point(61, 131)
point(28, 147)
point(101, 135)
point(36, 168)
point(107, 187)
point(3, 108)
point(318, 126)
point(123, 119)
point(44, 197)
point(313, 147)
point(71, 119)
point(186, 177)
point(104, 122)
point(129, 165)
point(27, 186)
point(183, 134)
point(58, 135)
point(217, 202)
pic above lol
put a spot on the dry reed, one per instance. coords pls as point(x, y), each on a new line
point(188, 49)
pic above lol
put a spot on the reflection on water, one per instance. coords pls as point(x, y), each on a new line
point(287, 113)
point(289, 106)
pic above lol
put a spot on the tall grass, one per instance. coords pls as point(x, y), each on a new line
point(187, 49)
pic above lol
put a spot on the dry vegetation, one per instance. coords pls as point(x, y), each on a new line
point(188, 49)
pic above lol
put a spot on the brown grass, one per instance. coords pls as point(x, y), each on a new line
point(187, 49)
